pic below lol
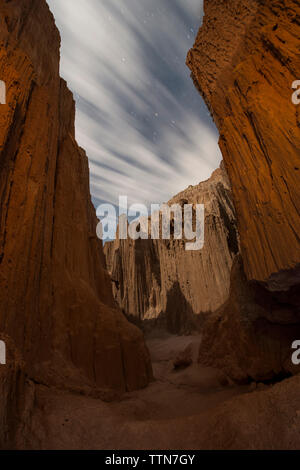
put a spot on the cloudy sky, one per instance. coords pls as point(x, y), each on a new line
point(146, 130)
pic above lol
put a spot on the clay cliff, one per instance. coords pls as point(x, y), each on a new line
point(244, 61)
point(159, 282)
point(57, 314)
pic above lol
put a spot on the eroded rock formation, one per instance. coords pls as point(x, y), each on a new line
point(159, 279)
point(244, 61)
point(250, 337)
point(56, 305)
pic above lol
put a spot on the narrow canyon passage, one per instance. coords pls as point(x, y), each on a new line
point(174, 411)
point(144, 343)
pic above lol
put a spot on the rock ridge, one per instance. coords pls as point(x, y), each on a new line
point(159, 282)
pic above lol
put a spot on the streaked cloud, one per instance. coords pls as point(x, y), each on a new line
point(145, 128)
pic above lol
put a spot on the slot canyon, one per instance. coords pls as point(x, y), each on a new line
point(141, 344)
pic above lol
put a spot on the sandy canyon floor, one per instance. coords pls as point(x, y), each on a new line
point(173, 412)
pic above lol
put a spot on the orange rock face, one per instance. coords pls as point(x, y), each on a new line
point(250, 337)
point(56, 304)
point(244, 61)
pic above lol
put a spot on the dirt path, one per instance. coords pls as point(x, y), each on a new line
point(171, 413)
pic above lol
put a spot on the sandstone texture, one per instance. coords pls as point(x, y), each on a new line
point(245, 58)
point(244, 62)
point(250, 337)
point(160, 280)
point(70, 350)
point(56, 304)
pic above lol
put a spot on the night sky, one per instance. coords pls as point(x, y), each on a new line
point(145, 128)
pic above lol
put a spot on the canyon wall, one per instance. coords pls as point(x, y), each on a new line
point(244, 61)
point(159, 282)
point(56, 307)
